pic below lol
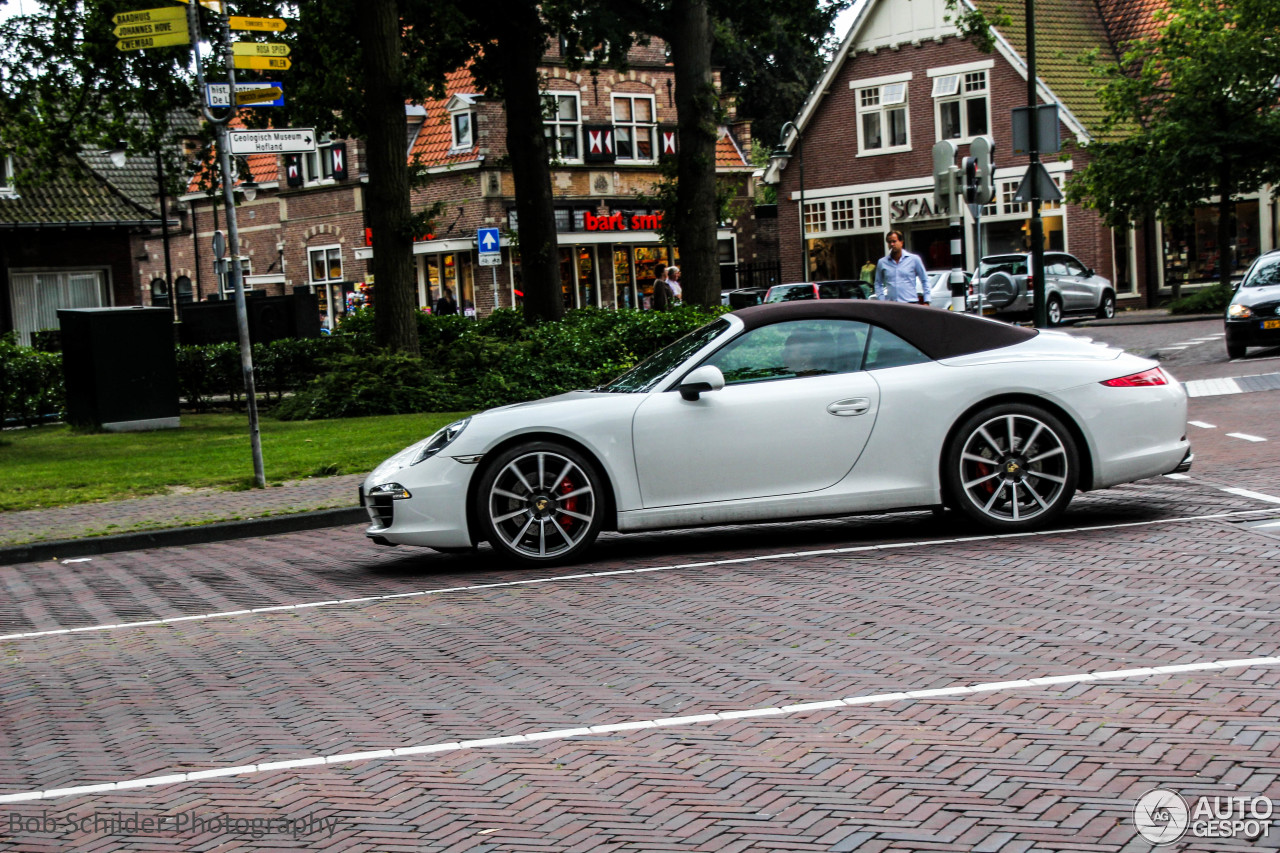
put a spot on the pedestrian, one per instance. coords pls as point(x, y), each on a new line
point(446, 304)
point(900, 275)
point(673, 282)
point(662, 295)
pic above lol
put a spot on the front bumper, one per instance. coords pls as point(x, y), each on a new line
point(435, 513)
point(1252, 332)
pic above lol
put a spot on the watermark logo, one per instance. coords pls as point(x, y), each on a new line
point(1162, 817)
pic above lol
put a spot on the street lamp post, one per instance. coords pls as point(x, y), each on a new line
point(780, 156)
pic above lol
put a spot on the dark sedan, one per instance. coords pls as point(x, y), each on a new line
point(1253, 317)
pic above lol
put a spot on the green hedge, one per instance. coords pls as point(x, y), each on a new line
point(1208, 300)
point(31, 388)
point(476, 364)
point(208, 371)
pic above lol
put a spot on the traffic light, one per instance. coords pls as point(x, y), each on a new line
point(982, 150)
point(944, 169)
point(970, 169)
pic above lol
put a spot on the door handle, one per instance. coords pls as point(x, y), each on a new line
point(848, 408)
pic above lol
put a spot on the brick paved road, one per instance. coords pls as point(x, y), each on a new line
point(1054, 767)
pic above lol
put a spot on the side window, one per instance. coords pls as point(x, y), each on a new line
point(885, 349)
point(1054, 265)
point(1073, 266)
point(789, 350)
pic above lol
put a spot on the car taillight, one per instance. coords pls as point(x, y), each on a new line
point(1154, 376)
point(815, 292)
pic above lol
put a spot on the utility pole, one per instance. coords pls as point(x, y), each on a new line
point(164, 233)
point(233, 232)
point(1037, 224)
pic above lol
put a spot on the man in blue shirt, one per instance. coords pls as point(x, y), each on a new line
point(900, 275)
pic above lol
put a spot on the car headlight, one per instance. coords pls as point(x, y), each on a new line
point(1239, 312)
point(395, 490)
point(441, 440)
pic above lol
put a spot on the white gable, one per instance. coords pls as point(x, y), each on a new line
point(898, 22)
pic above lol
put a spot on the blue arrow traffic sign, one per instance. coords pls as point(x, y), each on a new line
point(488, 241)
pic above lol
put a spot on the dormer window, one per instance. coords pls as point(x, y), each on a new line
point(6, 176)
point(462, 121)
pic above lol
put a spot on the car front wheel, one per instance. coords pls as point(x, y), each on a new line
point(1012, 467)
point(1054, 311)
point(1235, 350)
point(1107, 307)
point(541, 503)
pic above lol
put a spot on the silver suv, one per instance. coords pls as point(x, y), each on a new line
point(1070, 287)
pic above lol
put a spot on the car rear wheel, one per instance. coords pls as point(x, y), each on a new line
point(1012, 467)
point(541, 503)
point(1107, 307)
point(1055, 311)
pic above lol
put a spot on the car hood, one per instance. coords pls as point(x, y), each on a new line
point(1256, 295)
point(1048, 345)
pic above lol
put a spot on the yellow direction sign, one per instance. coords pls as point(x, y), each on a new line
point(262, 63)
point(144, 42)
point(257, 96)
point(150, 16)
point(253, 48)
point(154, 28)
point(261, 24)
point(215, 5)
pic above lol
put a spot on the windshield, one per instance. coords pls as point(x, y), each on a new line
point(1011, 264)
point(648, 373)
point(1265, 273)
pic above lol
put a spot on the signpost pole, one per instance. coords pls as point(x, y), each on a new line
point(1037, 224)
point(233, 233)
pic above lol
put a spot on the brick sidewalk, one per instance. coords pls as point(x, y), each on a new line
point(156, 512)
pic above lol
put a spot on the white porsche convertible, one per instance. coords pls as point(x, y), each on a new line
point(793, 410)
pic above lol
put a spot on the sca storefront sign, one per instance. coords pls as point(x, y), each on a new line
point(622, 222)
point(908, 208)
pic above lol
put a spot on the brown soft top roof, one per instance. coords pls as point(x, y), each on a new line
point(938, 334)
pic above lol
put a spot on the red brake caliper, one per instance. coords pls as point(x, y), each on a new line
point(566, 521)
point(983, 471)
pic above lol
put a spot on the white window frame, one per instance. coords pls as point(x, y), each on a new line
point(891, 93)
point(960, 88)
point(632, 125)
point(317, 166)
point(326, 249)
point(461, 110)
point(6, 178)
point(38, 310)
point(227, 286)
point(552, 122)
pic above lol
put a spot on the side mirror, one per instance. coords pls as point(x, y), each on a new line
point(703, 379)
point(1088, 273)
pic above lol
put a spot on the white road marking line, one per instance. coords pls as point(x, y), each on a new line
point(1246, 436)
point(1211, 387)
point(1245, 493)
point(888, 546)
point(636, 725)
point(1202, 425)
point(1178, 476)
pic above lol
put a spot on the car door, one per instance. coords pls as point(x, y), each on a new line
point(794, 415)
point(1088, 285)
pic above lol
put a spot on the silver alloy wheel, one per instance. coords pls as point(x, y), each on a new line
point(542, 504)
point(1055, 311)
point(1013, 467)
point(1108, 308)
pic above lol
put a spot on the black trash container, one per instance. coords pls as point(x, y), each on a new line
point(119, 366)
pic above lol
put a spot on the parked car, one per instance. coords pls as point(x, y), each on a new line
point(839, 289)
point(1070, 287)
point(940, 287)
point(744, 297)
point(822, 407)
point(1253, 316)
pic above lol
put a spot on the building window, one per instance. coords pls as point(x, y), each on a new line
point(462, 120)
point(182, 287)
point(870, 212)
point(462, 130)
point(633, 127)
point(815, 217)
point(326, 264)
point(882, 118)
point(961, 101)
point(842, 217)
point(318, 165)
point(562, 125)
point(6, 176)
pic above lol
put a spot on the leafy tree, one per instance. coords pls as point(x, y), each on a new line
point(1191, 113)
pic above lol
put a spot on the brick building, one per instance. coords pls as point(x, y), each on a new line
point(902, 80)
point(306, 226)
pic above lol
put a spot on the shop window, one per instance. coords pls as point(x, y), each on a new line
point(326, 264)
point(961, 102)
point(815, 217)
point(562, 125)
point(842, 216)
point(1191, 251)
point(633, 127)
point(882, 118)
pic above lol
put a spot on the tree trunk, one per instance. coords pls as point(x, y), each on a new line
point(387, 193)
point(695, 214)
point(1226, 212)
point(520, 53)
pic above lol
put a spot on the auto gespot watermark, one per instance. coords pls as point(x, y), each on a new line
point(139, 822)
point(1162, 816)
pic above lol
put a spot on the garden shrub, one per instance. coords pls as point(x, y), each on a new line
point(1207, 300)
point(31, 384)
